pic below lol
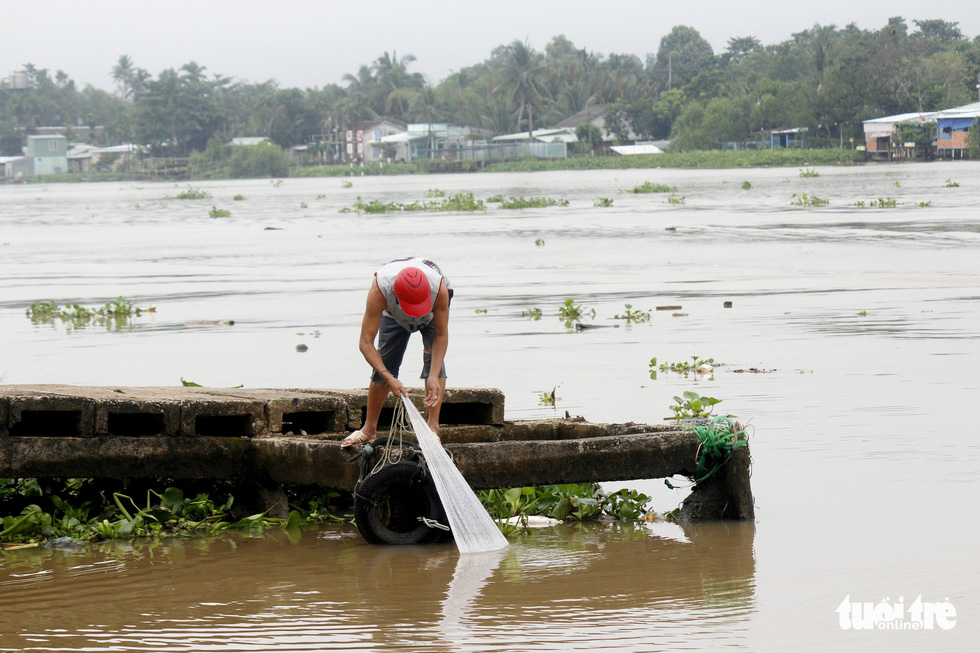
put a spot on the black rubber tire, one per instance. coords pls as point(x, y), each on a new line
point(389, 502)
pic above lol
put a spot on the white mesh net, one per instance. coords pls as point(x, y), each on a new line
point(473, 529)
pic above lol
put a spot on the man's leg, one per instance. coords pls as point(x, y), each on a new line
point(392, 341)
point(428, 335)
point(377, 393)
point(432, 418)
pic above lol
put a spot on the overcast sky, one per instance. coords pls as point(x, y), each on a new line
point(308, 43)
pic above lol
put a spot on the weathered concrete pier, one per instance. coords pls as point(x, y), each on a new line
point(276, 437)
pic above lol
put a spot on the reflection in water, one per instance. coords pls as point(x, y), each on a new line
point(568, 589)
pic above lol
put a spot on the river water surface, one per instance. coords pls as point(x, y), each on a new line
point(862, 322)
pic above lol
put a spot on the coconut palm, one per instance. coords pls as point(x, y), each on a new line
point(193, 71)
point(124, 75)
point(522, 77)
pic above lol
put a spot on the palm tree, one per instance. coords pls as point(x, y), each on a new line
point(393, 82)
point(523, 75)
point(194, 71)
point(123, 74)
point(425, 108)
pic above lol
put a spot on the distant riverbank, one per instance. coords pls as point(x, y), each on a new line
point(786, 157)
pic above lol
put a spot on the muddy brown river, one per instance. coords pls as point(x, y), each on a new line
point(851, 348)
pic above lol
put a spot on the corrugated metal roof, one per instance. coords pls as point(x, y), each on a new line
point(965, 111)
point(588, 114)
point(636, 148)
point(565, 135)
point(923, 116)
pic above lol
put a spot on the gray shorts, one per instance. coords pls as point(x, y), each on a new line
point(392, 343)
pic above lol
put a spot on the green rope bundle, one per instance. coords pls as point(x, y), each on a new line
point(720, 437)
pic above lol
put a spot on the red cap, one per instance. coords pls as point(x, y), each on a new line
point(413, 292)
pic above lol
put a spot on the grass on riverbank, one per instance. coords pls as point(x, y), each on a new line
point(789, 157)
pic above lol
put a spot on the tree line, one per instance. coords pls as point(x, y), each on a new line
point(826, 79)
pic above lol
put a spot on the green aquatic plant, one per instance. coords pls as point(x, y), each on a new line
point(215, 212)
point(539, 242)
point(570, 311)
point(303, 205)
point(809, 173)
point(547, 398)
point(746, 185)
point(924, 205)
point(346, 184)
point(650, 187)
point(495, 198)
point(238, 198)
point(435, 192)
point(520, 203)
point(115, 314)
point(566, 502)
point(884, 203)
point(459, 202)
point(633, 316)
point(190, 194)
point(603, 202)
point(693, 404)
point(674, 198)
point(682, 367)
point(952, 184)
point(532, 313)
point(379, 206)
point(33, 510)
point(463, 201)
point(808, 201)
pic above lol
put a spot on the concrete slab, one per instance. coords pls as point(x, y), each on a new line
point(49, 410)
point(297, 411)
point(461, 406)
point(212, 412)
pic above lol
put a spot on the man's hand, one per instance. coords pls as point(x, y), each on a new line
point(397, 388)
point(433, 391)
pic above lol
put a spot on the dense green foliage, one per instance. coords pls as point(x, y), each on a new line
point(572, 502)
point(117, 315)
point(36, 510)
point(825, 78)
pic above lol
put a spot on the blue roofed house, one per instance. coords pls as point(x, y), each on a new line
point(49, 154)
point(952, 127)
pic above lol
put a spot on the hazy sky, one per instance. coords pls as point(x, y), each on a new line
point(308, 43)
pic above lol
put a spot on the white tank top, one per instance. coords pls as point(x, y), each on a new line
point(385, 280)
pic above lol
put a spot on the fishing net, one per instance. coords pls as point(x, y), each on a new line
point(473, 529)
